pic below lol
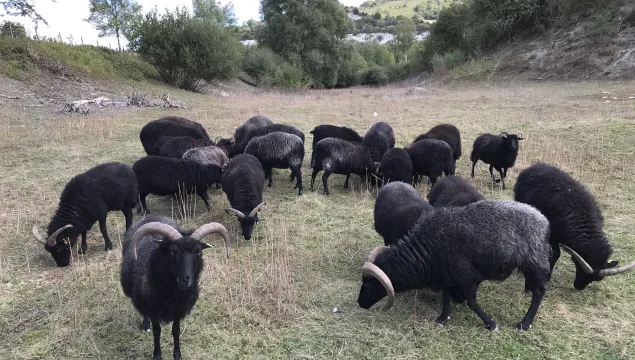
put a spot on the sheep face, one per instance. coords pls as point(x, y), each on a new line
point(582, 279)
point(247, 224)
point(185, 260)
point(372, 291)
point(61, 252)
point(510, 141)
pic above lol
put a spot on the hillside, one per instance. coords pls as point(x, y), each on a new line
point(426, 9)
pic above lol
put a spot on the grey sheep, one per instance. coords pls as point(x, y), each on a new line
point(160, 271)
point(254, 122)
point(207, 155)
point(454, 249)
point(176, 146)
point(453, 191)
point(397, 208)
point(281, 151)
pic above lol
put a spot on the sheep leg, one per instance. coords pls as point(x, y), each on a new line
point(474, 165)
point(203, 195)
point(445, 312)
point(84, 245)
point(127, 212)
point(298, 184)
point(176, 332)
point(538, 292)
point(348, 176)
point(555, 255)
point(491, 173)
point(325, 181)
point(471, 302)
point(269, 174)
point(156, 331)
point(313, 176)
point(144, 206)
point(104, 232)
point(500, 171)
point(145, 326)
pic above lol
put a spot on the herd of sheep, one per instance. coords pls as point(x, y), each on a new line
point(449, 244)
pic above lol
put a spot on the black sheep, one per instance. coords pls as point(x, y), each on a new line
point(396, 165)
point(86, 199)
point(431, 158)
point(378, 140)
point(169, 126)
point(243, 182)
point(499, 152)
point(254, 122)
point(445, 132)
point(397, 208)
point(454, 249)
point(337, 156)
point(453, 191)
point(575, 218)
point(326, 131)
point(169, 176)
point(160, 272)
point(176, 146)
point(281, 151)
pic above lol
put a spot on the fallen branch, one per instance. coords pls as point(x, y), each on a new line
point(10, 97)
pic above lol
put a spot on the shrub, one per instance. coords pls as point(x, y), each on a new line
point(376, 75)
point(186, 50)
point(447, 61)
point(270, 69)
point(13, 29)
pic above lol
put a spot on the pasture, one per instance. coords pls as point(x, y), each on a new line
point(275, 298)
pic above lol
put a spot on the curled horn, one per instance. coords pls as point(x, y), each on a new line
point(375, 252)
point(53, 238)
point(257, 209)
point(154, 227)
point(213, 228)
point(520, 136)
point(371, 270)
point(504, 135)
point(585, 266)
point(232, 211)
point(619, 270)
point(37, 235)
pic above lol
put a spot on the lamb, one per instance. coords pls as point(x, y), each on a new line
point(169, 126)
point(445, 132)
point(396, 165)
point(378, 140)
point(431, 158)
point(498, 151)
point(160, 272)
point(454, 249)
point(243, 182)
point(397, 208)
point(252, 123)
point(337, 156)
point(575, 218)
point(207, 155)
point(325, 131)
point(176, 146)
point(453, 191)
point(169, 176)
point(86, 199)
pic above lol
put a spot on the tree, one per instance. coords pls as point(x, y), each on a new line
point(22, 8)
point(309, 33)
point(214, 11)
point(404, 38)
point(13, 29)
point(113, 17)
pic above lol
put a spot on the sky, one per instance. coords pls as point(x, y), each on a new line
point(66, 17)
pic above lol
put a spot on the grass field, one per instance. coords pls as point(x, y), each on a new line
point(274, 299)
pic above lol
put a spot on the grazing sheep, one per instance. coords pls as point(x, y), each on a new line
point(243, 182)
point(227, 145)
point(207, 155)
point(326, 131)
point(337, 156)
point(169, 126)
point(176, 146)
point(431, 158)
point(160, 272)
point(454, 249)
point(445, 132)
point(453, 191)
point(168, 176)
point(396, 165)
point(252, 123)
point(575, 218)
point(397, 208)
point(86, 199)
point(378, 140)
point(499, 152)
point(281, 151)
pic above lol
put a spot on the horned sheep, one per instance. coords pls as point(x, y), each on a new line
point(499, 152)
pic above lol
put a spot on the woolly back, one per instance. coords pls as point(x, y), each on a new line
point(243, 182)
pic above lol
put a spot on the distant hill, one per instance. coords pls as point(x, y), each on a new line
point(426, 9)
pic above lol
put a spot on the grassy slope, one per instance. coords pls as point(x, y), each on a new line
point(394, 8)
point(274, 299)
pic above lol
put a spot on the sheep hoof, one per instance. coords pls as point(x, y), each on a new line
point(107, 247)
point(496, 328)
point(441, 320)
point(299, 193)
point(497, 181)
point(327, 193)
point(522, 326)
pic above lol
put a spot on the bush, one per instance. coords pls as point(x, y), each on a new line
point(270, 69)
point(13, 29)
point(376, 75)
point(447, 61)
point(186, 50)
